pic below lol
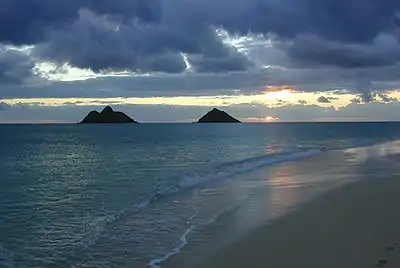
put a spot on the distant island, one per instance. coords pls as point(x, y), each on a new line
point(217, 116)
point(107, 115)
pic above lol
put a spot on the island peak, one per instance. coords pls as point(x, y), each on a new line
point(107, 115)
point(107, 109)
point(218, 116)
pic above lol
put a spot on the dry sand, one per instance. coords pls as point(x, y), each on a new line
point(353, 226)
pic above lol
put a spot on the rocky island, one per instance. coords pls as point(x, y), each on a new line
point(107, 115)
point(218, 116)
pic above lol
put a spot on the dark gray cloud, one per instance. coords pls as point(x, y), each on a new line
point(264, 16)
point(150, 35)
point(338, 45)
point(364, 86)
point(367, 97)
point(101, 42)
point(386, 98)
point(308, 50)
point(26, 22)
point(323, 99)
point(346, 21)
point(15, 67)
point(187, 84)
point(322, 45)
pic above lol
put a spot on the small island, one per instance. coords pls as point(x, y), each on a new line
point(217, 116)
point(107, 116)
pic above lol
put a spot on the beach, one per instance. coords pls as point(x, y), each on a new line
point(357, 225)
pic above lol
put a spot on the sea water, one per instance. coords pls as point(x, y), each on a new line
point(140, 195)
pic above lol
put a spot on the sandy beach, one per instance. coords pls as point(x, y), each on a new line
point(357, 225)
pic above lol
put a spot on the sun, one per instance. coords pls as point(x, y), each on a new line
point(283, 94)
point(278, 92)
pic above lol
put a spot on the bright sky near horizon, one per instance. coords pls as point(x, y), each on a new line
point(173, 61)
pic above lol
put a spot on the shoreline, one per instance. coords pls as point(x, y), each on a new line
point(290, 187)
point(355, 225)
point(266, 199)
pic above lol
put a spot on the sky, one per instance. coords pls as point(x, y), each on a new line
point(174, 60)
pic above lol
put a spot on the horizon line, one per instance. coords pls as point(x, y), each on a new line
point(184, 122)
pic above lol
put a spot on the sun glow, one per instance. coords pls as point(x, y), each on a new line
point(266, 119)
point(282, 94)
point(268, 99)
point(270, 118)
point(279, 92)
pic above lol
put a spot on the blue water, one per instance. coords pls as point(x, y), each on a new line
point(130, 195)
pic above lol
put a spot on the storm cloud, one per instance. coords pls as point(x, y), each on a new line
point(15, 67)
point(151, 36)
point(383, 50)
point(101, 43)
point(324, 99)
point(208, 47)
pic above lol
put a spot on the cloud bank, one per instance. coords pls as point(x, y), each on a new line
point(150, 36)
point(186, 47)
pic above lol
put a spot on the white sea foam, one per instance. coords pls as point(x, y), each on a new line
point(156, 262)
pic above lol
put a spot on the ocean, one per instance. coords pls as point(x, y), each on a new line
point(165, 195)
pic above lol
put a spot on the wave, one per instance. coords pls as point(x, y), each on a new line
point(155, 263)
point(233, 168)
point(189, 182)
point(224, 171)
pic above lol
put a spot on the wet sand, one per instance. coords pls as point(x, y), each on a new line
point(357, 225)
